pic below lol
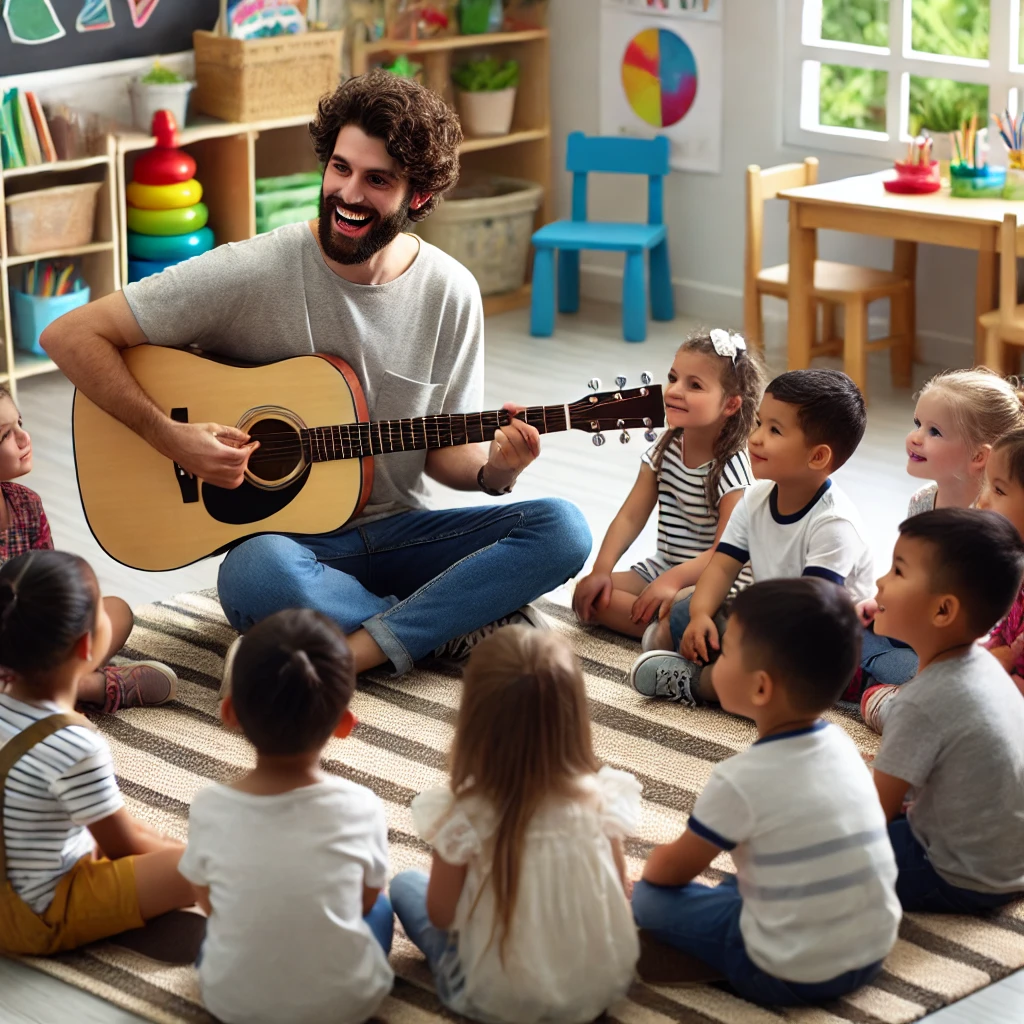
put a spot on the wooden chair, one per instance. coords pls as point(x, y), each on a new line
point(1004, 327)
point(836, 285)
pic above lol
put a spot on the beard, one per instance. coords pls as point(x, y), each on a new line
point(349, 251)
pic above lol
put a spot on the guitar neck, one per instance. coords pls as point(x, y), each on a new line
point(358, 440)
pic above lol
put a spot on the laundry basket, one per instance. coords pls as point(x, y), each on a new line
point(487, 227)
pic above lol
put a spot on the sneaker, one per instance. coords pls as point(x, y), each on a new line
point(666, 675)
point(138, 684)
point(875, 705)
point(458, 648)
point(229, 662)
point(648, 642)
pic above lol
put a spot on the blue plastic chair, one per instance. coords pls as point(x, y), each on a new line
point(609, 155)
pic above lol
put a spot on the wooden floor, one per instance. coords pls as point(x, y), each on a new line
point(528, 370)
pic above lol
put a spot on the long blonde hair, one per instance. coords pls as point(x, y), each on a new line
point(983, 405)
point(522, 735)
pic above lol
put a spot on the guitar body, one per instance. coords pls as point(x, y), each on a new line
point(147, 514)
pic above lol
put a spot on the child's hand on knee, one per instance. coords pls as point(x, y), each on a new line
point(654, 597)
point(700, 639)
point(593, 593)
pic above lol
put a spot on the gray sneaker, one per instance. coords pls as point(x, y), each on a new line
point(668, 676)
point(458, 648)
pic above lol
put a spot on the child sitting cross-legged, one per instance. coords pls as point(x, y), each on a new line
point(953, 737)
point(812, 910)
point(793, 521)
point(524, 917)
point(290, 862)
point(75, 866)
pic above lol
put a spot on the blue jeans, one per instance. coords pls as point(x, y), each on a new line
point(413, 580)
point(705, 923)
point(679, 619)
point(922, 889)
point(886, 661)
point(409, 897)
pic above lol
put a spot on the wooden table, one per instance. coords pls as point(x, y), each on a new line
point(861, 205)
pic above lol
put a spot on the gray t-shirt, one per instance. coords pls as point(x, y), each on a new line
point(415, 343)
point(956, 734)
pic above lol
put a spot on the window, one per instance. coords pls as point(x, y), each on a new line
point(865, 76)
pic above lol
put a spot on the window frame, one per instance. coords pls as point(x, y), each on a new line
point(804, 52)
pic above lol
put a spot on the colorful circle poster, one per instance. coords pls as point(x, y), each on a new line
point(659, 76)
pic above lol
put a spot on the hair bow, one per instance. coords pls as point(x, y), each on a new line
point(727, 344)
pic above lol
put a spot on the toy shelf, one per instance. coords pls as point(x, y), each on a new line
point(98, 261)
point(526, 151)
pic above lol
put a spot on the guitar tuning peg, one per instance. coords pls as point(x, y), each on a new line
point(594, 384)
point(620, 381)
point(598, 439)
point(650, 435)
point(624, 437)
point(645, 378)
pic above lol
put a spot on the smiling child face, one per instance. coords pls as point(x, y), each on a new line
point(15, 444)
point(694, 396)
point(1001, 492)
point(778, 447)
point(935, 451)
point(905, 592)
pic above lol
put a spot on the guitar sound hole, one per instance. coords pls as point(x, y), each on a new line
point(280, 450)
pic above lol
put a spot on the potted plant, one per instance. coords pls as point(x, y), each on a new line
point(940, 112)
point(485, 95)
point(159, 89)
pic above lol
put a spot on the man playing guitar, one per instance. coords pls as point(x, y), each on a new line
point(404, 582)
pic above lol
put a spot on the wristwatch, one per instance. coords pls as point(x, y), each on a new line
point(490, 490)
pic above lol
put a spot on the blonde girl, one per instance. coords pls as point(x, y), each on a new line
point(959, 415)
point(695, 474)
point(524, 916)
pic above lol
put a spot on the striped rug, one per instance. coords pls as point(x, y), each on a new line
point(165, 755)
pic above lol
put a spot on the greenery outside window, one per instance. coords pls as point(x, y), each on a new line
point(865, 76)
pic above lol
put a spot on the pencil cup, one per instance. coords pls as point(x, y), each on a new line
point(968, 182)
point(34, 313)
point(1014, 187)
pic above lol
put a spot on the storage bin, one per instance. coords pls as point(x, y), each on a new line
point(32, 314)
point(487, 227)
point(260, 79)
point(52, 218)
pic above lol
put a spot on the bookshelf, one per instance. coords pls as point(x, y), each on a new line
point(526, 151)
point(98, 261)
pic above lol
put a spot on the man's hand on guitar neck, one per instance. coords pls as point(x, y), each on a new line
point(215, 453)
point(514, 447)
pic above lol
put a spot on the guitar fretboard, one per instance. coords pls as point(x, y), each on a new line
point(357, 440)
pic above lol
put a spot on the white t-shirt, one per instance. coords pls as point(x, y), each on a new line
point(573, 945)
point(825, 538)
point(61, 786)
point(817, 874)
point(286, 940)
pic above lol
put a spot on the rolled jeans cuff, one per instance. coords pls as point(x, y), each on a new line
point(392, 647)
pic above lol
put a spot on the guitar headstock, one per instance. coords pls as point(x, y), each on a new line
point(639, 408)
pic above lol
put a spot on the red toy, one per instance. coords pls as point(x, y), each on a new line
point(165, 164)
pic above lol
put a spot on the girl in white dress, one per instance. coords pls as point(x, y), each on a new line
point(524, 916)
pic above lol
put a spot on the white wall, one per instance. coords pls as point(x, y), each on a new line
point(705, 212)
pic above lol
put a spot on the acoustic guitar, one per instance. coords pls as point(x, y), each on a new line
point(313, 470)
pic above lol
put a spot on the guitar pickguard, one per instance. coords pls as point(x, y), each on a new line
point(247, 503)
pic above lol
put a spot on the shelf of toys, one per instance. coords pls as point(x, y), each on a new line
point(93, 257)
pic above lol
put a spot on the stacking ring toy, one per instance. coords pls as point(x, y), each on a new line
point(139, 269)
point(168, 222)
point(169, 248)
point(164, 197)
point(164, 167)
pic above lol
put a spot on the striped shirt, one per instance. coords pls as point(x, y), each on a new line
point(686, 524)
point(51, 795)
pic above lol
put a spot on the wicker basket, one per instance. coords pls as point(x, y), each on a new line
point(52, 218)
point(261, 79)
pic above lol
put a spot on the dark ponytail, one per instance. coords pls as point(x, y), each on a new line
point(47, 602)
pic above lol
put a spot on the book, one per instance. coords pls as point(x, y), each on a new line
point(12, 152)
point(27, 132)
point(42, 128)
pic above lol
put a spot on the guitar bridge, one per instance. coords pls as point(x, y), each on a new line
point(187, 483)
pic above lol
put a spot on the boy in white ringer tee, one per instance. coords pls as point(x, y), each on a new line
point(792, 522)
point(813, 911)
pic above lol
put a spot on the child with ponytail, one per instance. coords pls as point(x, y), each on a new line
point(695, 473)
point(75, 866)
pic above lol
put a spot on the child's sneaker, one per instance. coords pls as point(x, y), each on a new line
point(662, 674)
point(458, 649)
point(875, 705)
point(138, 684)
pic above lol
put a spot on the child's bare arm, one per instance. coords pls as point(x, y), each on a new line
point(444, 890)
point(701, 634)
point(679, 862)
point(369, 898)
point(891, 793)
point(203, 899)
point(121, 835)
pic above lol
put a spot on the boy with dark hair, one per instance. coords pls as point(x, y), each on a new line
point(812, 911)
point(288, 862)
point(792, 522)
point(953, 737)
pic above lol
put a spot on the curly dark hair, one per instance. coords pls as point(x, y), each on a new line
point(418, 129)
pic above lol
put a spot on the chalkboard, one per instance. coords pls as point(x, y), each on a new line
point(168, 28)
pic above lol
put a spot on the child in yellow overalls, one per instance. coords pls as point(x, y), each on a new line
point(74, 865)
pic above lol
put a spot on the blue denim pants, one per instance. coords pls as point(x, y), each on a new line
point(922, 889)
point(705, 923)
point(413, 580)
point(679, 619)
point(885, 660)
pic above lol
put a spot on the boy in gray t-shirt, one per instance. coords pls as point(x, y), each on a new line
point(953, 739)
